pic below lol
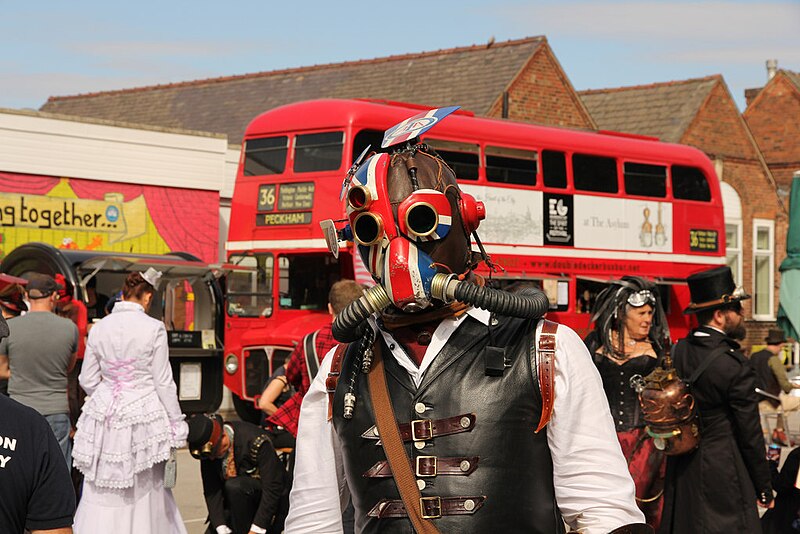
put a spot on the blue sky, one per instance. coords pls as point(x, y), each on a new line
point(61, 48)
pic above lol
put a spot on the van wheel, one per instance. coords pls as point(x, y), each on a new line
point(245, 410)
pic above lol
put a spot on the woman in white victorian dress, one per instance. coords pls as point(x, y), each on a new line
point(130, 421)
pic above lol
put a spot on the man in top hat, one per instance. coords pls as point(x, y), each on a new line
point(243, 480)
point(771, 377)
point(716, 487)
point(38, 355)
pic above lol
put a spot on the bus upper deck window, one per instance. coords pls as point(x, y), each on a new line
point(265, 156)
point(365, 138)
point(594, 173)
point(689, 183)
point(645, 180)
point(554, 168)
point(463, 158)
point(318, 152)
point(511, 165)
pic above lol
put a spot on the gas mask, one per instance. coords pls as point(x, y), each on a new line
point(401, 213)
point(411, 224)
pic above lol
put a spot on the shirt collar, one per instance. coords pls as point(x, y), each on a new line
point(126, 305)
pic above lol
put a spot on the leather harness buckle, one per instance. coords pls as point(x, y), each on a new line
point(421, 429)
point(430, 507)
point(423, 467)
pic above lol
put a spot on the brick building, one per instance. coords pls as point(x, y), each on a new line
point(701, 112)
point(773, 115)
point(519, 79)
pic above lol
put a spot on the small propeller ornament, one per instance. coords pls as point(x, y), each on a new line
point(352, 172)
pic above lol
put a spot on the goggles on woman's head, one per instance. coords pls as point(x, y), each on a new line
point(640, 298)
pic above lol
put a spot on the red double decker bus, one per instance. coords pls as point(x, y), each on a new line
point(567, 210)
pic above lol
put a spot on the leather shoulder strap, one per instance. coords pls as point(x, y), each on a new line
point(545, 365)
point(333, 375)
point(392, 445)
point(310, 351)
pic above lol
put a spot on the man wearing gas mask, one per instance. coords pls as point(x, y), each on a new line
point(449, 406)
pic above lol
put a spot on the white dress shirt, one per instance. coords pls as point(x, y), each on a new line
point(593, 488)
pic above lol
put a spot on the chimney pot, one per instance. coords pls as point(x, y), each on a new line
point(772, 68)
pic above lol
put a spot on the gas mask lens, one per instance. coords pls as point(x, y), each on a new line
point(425, 215)
point(367, 228)
point(359, 198)
point(421, 219)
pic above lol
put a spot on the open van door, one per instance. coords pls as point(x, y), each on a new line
point(188, 300)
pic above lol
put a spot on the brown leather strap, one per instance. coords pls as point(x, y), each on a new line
point(424, 429)
point(429, 466)
point(432, 507)
point(333, 376)
point(393, 446)
point(545, 365)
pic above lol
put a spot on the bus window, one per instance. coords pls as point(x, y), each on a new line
point(373, 138)
point(463, 158)
point(305, 279)
point(645, 180)
point(587, 291)
point(249, 293)
point(265, 156)
point(689, 183)
point(511, 165)
point(594, 173)
point(318, 152)
point(554, 168)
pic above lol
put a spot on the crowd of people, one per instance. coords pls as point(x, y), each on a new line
point(464, 417)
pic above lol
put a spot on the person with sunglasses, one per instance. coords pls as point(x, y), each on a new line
point(243, 479)
point(716, 487)
point(629, 329)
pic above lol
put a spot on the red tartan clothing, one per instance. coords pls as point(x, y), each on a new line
point(288, 414)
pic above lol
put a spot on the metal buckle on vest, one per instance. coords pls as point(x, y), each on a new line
point(424, 470)
point(430, 507)
point(425, 432)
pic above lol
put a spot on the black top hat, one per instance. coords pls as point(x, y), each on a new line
point(775, 337)
point(201, 430)
point(713, 289)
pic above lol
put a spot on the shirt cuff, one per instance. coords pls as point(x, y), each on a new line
point(258, 530)
point(223, 529)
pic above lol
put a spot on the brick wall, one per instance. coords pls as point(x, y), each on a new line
point(718, 131)
point(542, 94)
point(717, 128)
point(774, 120)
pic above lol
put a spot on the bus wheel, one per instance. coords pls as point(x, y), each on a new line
point(245, 410)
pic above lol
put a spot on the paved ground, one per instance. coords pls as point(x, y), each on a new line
point(189, 493)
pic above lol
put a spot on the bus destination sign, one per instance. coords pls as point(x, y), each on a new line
point(294, 202)
point(294, 197)
point(703, 240)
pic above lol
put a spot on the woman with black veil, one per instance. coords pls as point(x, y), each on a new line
point(630, 328)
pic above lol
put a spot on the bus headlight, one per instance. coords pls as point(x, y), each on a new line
point(231, 363)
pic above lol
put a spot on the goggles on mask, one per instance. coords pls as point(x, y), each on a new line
point(640, 298)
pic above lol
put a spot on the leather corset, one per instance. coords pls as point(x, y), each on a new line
point(514, 469)
point(622, 398)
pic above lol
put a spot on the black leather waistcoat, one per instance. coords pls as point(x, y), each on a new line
point(515, 470)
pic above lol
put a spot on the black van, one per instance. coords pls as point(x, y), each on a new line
point(189, 301)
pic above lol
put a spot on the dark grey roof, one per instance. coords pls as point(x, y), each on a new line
point(663, 110)
point(473, 77)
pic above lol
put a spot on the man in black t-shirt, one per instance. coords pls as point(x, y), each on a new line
point(35, 487)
